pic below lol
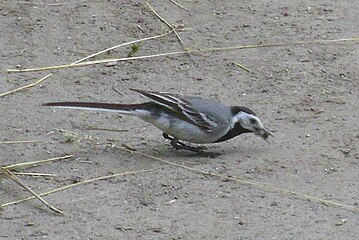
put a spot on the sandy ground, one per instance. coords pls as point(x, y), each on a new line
point(307, 94)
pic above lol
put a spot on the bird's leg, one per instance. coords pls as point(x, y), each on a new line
point(180, 145)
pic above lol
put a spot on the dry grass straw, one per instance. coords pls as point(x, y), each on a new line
point(216, 49)
point(21, 142)
point(7, 171)
point(167, 23)
point(81, 60)
point(26, 86)
point(77, 184)
point(121, 45)
point(52, 4)
point(17, 180)
point(172, 28)
point(33, 174)
point(241, 180)
point(179, 5)
point(18, 166)
point(242, 67)
point(35, 163)
point(87, 127)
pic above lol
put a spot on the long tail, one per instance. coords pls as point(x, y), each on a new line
point(131, 109)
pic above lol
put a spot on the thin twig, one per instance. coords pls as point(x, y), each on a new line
point(167, 23)
point(32, 174)
point(121, 45)
point(83, 59)
point(77, 184)
point(241, 180)
point(178, 53)
point(179, 5)
point(26, 87)
point(116, 90)
point(92, 62)
point(53, 4)
point(104, 129)
point(35, 174)
point(243, 67)
point(171, 27)
point(128, 147)
point(88, 127)
point(35, 163)
point(35, 195)
point(21, 142)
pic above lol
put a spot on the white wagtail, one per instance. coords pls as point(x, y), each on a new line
point(187, 118)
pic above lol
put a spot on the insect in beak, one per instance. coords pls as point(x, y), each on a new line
point(264, 133)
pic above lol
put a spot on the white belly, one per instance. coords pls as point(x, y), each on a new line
point(182, 130)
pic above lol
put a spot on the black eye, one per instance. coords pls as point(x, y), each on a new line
point(252, 121)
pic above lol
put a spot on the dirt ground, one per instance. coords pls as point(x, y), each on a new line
point(307, 94)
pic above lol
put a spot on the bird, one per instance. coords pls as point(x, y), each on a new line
point(184, 119)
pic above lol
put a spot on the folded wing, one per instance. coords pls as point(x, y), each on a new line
point(180, 106)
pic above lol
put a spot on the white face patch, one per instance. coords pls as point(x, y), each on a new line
point(247, 121)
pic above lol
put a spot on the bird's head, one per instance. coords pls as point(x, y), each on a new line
point(246, 119)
